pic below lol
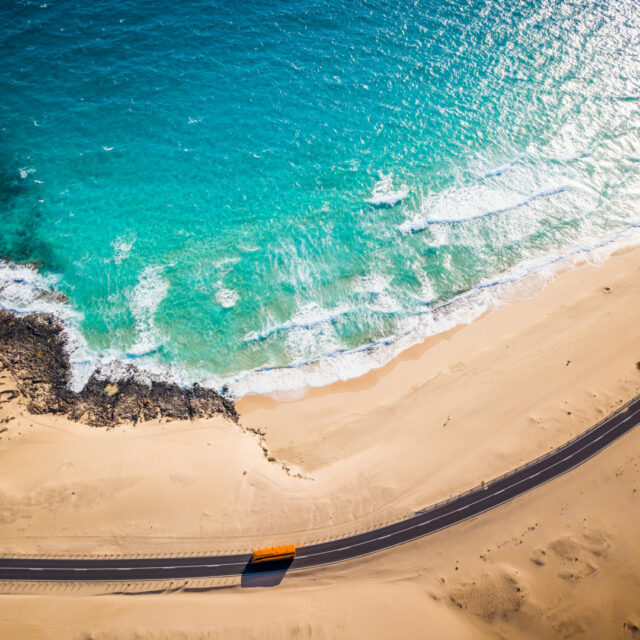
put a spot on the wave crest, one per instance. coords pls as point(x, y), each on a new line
point(466, 205)
point(384, 194)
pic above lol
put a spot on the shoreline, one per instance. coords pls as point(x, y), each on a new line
point(530, 285)
point(34, 351)
point(296, 379)
point(514, 284)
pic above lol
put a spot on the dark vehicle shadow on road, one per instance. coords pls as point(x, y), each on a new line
point(265, 574)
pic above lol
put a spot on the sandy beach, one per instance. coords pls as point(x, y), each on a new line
point(459, 409)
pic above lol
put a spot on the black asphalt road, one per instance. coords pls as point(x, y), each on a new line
point(428, 521)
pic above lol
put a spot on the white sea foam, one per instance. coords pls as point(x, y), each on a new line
point(377, 285)
point(427, 292)
point(225, 264)
point(24, 290)
point(632, 149)
point(25, 172)
point(384, 194)
point(464, 204)
point(372, 283)
point(249, 248)
point(307, 316)
point(304, 342)
point(144, 300)
point(121, 248)
point(227, 297)
point(503, 168)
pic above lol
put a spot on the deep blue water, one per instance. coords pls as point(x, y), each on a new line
point(225, 187)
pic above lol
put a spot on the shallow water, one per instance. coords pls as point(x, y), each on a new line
point(224, 190)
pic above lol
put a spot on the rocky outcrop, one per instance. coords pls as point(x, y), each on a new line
point(32, 347)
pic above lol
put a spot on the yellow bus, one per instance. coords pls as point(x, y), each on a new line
point(274, 553)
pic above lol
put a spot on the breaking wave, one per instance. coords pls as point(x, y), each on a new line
point(385, 195)
point(468, 210)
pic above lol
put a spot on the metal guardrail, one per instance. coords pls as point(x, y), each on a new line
point(531, 463)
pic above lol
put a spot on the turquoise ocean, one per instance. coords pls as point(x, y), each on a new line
point(277, 194)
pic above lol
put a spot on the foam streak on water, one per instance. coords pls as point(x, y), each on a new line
point(289, 194)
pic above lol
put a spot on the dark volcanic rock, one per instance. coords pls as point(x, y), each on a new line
point(32, 347)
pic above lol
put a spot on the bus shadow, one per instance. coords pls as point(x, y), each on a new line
point(265, 574)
